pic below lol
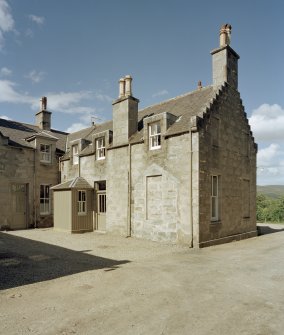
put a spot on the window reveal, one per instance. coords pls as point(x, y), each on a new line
point(154, 135)
point(45, 153)
point(100, 148)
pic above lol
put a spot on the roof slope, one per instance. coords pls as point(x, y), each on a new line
point(184, 106)
point(17, 133)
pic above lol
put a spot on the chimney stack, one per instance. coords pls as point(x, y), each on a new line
point(43, 117)
point(199, 85)
point(125, 113)
point(225, 60)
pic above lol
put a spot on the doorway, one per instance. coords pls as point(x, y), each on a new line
point(19, 206)
point(100, 188)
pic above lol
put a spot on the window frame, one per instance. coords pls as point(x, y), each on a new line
point(75, 155)
point(155, 137)
point(45, 198)
point(82, 202)
point(100, 144)
point(214, 198)
point(45, 155)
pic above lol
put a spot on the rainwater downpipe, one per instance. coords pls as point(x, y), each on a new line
point(190, 192)
point(34, 190)
point(128, 233)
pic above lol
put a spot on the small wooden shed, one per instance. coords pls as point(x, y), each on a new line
point(73, 206)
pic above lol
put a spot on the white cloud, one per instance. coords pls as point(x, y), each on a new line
point(5, 72)
point(267, 123)
point(160, 93)
point(103, 97)
point(6, 21)
point(4, 117)
point(75, 127)
point(37, 19)
point(35, 76)
point(9, 94)
point(267, 156)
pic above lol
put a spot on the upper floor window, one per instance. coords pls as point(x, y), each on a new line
point(82, 199)
point(154, 135)
point(100, 148)
point(44, 200)
point(45, 153)
point(214, 198)
point(75, 154)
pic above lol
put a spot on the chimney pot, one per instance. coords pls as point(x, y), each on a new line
point(43, 103)
point(225, 35)
point(199, 85)
point(121, 87)
point(128, 84)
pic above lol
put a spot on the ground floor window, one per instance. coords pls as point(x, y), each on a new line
point(215, 198)
point(82, 199)
point(44, 200)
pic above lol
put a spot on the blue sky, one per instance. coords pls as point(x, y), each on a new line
point(75, 51)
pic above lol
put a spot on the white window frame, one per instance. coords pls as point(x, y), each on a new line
point(45, 153)
point(82, 202)
point(44, 199)
point(100, 148)
point(75, 154)
point(154, 135)
point(215, 179)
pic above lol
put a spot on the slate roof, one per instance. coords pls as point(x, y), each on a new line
point(76, 183)
point(184, 107)
point(18, 133)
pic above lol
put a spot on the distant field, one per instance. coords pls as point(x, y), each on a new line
point(271, 191)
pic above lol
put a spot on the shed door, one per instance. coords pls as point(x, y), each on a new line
point(101, 210)
point(19, 206)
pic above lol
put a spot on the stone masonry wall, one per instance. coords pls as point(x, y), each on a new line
point(228, 151)
point(160, 191)
point(16, 167)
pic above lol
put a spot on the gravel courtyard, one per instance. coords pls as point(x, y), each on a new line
point(56, 283)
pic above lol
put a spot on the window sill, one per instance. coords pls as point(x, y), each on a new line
point(155, 148)
point(44, 214)
point(215, 222)
point(45, 162)
point(100, 158)
point(82, 214)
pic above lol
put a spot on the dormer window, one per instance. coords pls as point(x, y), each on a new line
point(75, 154)
point(154, 135)
point(100, 148)
point(45, 153)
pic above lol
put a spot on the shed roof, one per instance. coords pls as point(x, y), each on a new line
point(76, 183)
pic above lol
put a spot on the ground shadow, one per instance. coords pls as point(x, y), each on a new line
point(24, 261)
point(263, 230)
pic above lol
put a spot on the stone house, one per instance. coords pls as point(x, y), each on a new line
point(29, 160)
point(181, 171)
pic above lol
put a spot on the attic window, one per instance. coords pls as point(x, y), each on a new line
point(75, 154)
point(154, 135)
point(100, 148)
point(45, 153)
